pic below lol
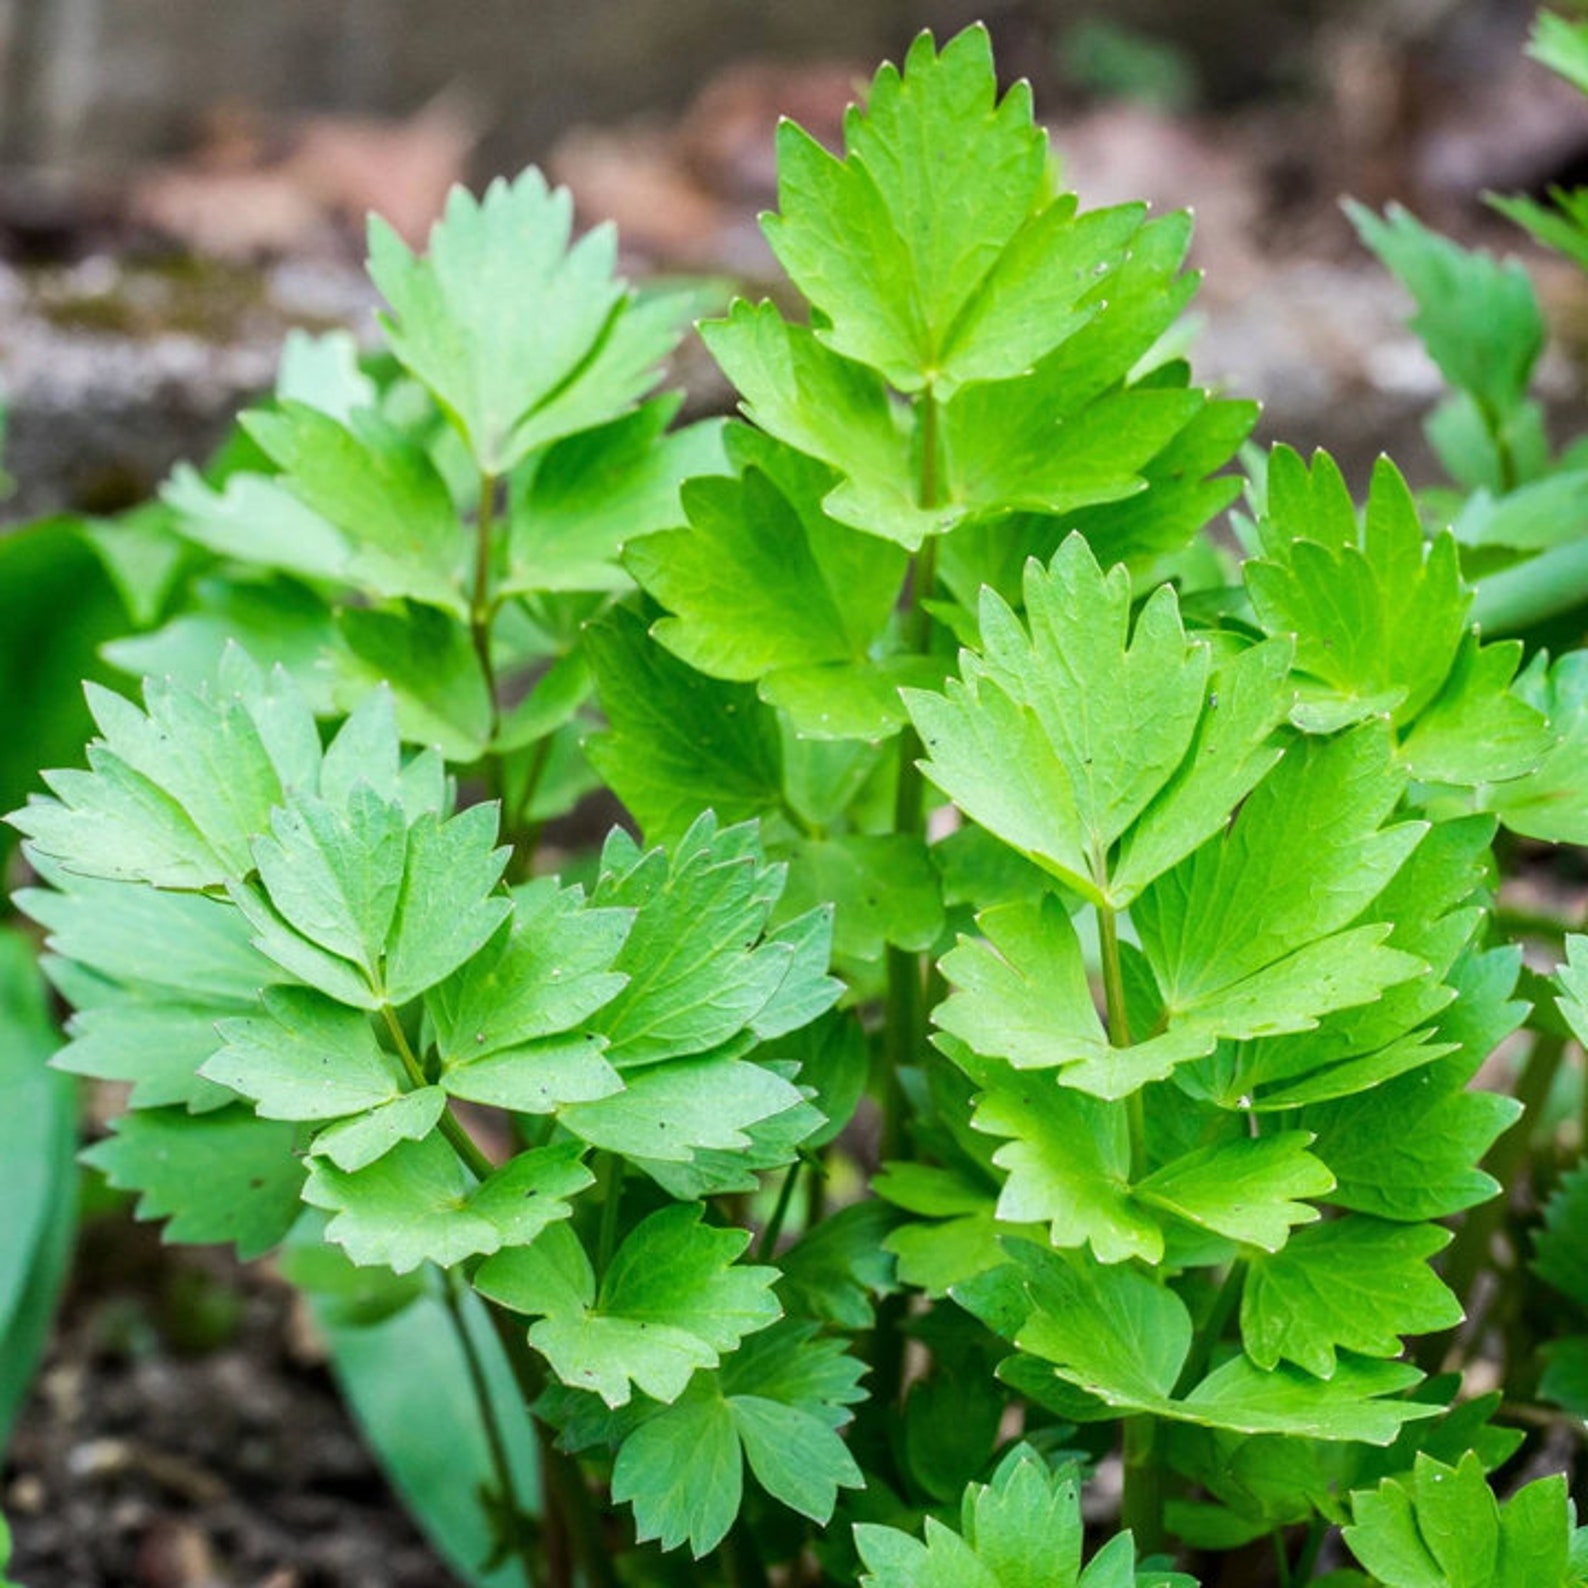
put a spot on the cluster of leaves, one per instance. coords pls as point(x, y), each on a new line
point(1154, 907)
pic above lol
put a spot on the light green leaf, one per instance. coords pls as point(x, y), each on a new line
point(305, 1057)
point(1409, 1149)
point(254, 518)
point(882, 887)
point(1068, 1163)
point(1549, 802)
point(671, 1301)
point(1353, 1283)
point(1477, 731)
point(669, 1112)
point(850, 231)
point(1357, 1404)
point(1377, 614)
point(683, 1473)
point(1478, 317)
point(793, 388)
point(219, 1177)
point(334, 874)
point(355, 1143)
point(1062, 782)
point(678, 741)
point(416, 1204)
point(1241, 903)
point(378, 488)
point(574, 508)
point(426, 658)
point(762, 580)
point(1243, 1189)
point(1441, 1527)
point(546, 972)
point(520, 337)
point(698, 970)
point(447, 911)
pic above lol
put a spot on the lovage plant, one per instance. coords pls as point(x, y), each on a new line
point(1033, 1018)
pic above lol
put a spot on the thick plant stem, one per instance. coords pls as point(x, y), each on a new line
point(572, 1530)
point(1141, 1507)
point(904, 1029)
point(518, 1540)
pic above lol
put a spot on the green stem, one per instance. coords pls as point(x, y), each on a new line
point(1307, 1561)
point(572, 1528)
point(1119, 1031)
point(450, 1126)
point(1205, 1342)
point(481, 602)
point(1141, 1506)
point(774, 1225)
point(610, 1172)
point(518, 1540)
point(1474, 1243)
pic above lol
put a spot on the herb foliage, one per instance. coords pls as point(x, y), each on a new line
point(1155, 920)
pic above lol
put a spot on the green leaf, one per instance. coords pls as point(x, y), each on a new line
point(699, 970)
point(1561, 45)
point(678, 741)
point(416, 1204)
point(38, 1143)
point(1548, 802)
point(671, 1111)
point(683, 1473)
point(779, 1400)
point(219, 1177)
point(1377, 615)
point(1441, 1527)
point(1119, 1335)
point(255, 519)
point(1477, 731)
point(1409, 1149)
point(446, 912)
point(335, 873)
point(764, 586)
point(792, 387)
point(383, 494)
point(1068, 1164)
point(305, 1057)
point(546, 972)
point(575, 507)
point(1354, 1283)
point(149, 973)
point(1021, 1530)
point(1062, 784)
point(355, 1143)
point(177, 792)
point(1244, 1190)
point(671, 1301)
point(521, 338)
point(1479, 318)
point(1241, 904)
point(881, 887)
point(1560, 1250)
point(426, 658)
point(850, 231)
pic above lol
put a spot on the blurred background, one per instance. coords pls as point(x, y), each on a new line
point(183, 180)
